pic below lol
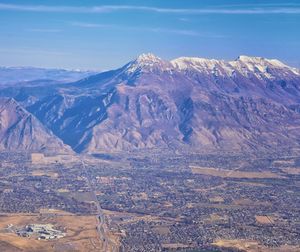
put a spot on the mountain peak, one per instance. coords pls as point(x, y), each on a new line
point(148, 58)
point(148, 62)
point(260, 61)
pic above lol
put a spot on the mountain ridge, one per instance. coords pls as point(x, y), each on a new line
point(20, 130)
point(197, 103)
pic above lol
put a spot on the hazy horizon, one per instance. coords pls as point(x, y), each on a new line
point(124, 63)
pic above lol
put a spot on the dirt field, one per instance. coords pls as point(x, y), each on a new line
point(264, 219)
point(283, 162)
point(37, 173)
point(81, 235)
point(232, 173)
point(253, 246)
point(162, 230)
point(215, 217)
point(291, 170)
point(216, 199)
point(175, 246)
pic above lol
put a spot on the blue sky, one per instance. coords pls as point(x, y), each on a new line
point(103, 34)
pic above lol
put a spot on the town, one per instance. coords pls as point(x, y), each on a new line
point(154, 202)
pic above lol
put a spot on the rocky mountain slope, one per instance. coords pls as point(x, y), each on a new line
point(19, 130)
point(244, 104)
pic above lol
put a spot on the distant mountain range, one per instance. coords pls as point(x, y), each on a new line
point(247, 104)
point(32, 75)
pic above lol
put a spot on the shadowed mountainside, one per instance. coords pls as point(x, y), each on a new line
point(244, 104)
point(19, 130)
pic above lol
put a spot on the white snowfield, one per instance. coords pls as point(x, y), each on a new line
point(246, 66)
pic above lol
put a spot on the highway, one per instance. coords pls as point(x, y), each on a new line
point(108, 244)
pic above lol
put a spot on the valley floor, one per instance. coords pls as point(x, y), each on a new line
point(146, 201)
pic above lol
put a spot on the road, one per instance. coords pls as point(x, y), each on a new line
point(108, 244)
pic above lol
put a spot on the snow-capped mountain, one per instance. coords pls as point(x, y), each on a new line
point(248, 103)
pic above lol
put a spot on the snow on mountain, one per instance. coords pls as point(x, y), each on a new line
point(243, 64)
point(197, 103)
point(148, 62)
